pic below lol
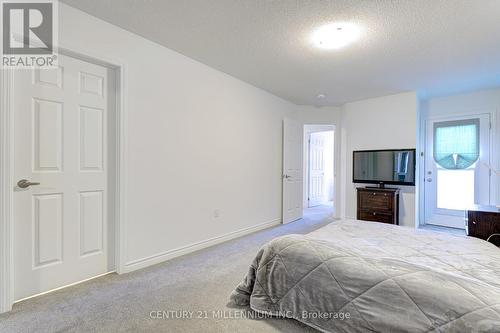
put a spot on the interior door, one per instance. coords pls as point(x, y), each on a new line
point(293, 138)
point(316, 169)
point(61, 170)
point(455, 184)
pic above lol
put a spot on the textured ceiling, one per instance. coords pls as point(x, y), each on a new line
point(435, 47)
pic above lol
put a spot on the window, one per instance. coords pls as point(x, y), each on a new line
point(456, 143)
point(456, 150)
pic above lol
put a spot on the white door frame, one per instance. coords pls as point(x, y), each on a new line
point(492, 112)
point(6, 168)
point(313, 128)
point(453, 218)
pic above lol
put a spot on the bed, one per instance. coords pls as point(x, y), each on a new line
point(355, 276)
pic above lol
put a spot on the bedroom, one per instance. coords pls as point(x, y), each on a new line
point(157, 192)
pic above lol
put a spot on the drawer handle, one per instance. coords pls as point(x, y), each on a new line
point(374, 213)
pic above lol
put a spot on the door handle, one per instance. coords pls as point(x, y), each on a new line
point(287, 176)
point(24, 183)
point(429, 180)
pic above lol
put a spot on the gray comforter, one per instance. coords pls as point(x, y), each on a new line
point(353, 276)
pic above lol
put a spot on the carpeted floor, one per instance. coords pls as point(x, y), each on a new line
point(199, 282)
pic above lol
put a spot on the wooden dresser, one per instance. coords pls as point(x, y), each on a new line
point(482, 222)
point(378, 204)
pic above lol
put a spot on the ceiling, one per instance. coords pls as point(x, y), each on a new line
point(435, 47)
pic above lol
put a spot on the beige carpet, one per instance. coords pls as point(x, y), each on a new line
point(199, 282)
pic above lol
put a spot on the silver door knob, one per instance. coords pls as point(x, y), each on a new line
point(24, 183)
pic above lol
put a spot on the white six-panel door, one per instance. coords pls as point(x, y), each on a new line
point(293, 138)
point(60, 225)
point(316, 169)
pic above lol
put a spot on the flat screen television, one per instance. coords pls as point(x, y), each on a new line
point(389, 166)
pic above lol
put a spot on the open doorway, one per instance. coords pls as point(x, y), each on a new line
point(319, 186)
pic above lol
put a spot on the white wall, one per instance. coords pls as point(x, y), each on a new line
point(198, 141)
point(484, 101)
point(388, 122)
point(328, 115)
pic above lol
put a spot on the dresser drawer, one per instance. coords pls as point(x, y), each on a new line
point(376, 201)
point(376, 216)
point(379, 205)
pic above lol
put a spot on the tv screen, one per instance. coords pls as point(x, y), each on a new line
point(396, 167)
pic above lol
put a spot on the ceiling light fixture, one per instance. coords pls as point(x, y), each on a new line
point(335, 35)
point(321, 96)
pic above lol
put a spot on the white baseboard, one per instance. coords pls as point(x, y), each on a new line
point(167, 255)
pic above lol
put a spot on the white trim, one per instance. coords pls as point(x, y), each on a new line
point(421, 150)
point(308, 129)
point(167, 255)
point(6, 167)
point(121, 170)
point(492, 112)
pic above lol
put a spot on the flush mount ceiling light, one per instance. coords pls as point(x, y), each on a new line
point(335, 35)
point(321, 96)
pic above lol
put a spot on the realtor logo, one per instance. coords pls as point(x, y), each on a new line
point(28, 34)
